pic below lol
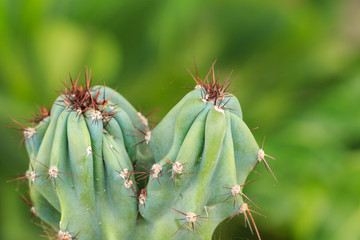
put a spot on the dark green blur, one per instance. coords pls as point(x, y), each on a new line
point(296, 72)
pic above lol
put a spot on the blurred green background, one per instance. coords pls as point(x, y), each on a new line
point(296, 72)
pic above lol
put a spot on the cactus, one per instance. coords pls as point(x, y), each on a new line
point(92, 155)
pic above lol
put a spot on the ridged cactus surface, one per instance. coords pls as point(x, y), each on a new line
point(98, 171)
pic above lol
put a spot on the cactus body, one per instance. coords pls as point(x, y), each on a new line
point(216, 150)
point(86, 149)
point(191, 168)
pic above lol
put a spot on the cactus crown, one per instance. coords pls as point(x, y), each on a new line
point(212, 89)
point(80, 97)
point(37, 118)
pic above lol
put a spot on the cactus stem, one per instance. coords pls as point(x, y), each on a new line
point(261, 157)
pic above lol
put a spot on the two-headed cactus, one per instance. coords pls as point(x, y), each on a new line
point(97, 170)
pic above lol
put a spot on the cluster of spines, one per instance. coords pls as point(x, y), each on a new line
point(81, 98)
point(212, 90)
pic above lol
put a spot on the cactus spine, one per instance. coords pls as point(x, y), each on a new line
point(92, 155)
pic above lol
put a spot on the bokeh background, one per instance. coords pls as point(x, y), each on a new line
point(296, 70)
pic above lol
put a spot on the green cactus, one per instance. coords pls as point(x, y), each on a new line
point(206, 151)
point(78, 157)
point(90, 157)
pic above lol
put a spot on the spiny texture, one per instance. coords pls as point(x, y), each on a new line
point(91, 156)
